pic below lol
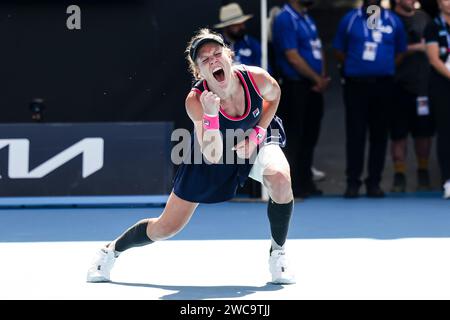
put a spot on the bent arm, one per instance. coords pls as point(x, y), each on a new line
point(435, 61)
point(210, 141)
point(271, 93)
point(301, 66)
point(417, 47)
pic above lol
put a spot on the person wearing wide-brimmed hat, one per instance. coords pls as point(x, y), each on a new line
point(247, 49)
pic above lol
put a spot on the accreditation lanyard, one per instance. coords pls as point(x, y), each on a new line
point(310, 30)
point(366, 30)
point(370, 43)
point(447, 34)
point(364, 22)
point(444, 26)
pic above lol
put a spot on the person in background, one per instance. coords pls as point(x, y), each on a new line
point(317, 175)
point(247, 50)
point(437, 38)
point(410, 111)
point(299, 57)
point(368, 57)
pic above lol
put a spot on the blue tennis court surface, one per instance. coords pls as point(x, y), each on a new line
point(391, 248)
point(423, 215)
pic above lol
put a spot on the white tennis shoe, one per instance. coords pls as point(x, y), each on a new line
point(447, 190)
point(317, 175)
point(278, 266)
point(101, 266)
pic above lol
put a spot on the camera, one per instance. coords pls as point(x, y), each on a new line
point(37, 108)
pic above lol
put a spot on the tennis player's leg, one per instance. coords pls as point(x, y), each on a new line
point(175, 216)
point(271, 168)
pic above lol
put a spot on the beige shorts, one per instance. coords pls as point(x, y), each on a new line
point(270, 157)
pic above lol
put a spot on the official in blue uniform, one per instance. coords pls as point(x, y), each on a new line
point(368, 57)
point(247, 50)
point(299, 58)
point(224, 99)
point(437, 37)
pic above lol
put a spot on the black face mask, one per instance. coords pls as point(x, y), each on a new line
point(237, 36)
point(306, 3)
point(371, 3)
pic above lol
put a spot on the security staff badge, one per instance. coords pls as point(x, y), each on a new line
point(370, 51)
point(423, 108)
point(316, 47)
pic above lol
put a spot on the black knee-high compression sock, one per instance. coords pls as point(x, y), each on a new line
point(136, 236)
point(279, 217)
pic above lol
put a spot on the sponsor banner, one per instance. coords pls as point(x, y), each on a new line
point(85, 159)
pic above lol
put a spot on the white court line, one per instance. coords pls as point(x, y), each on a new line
point(237, 269)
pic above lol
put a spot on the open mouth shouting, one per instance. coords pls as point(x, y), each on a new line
point(219, 74)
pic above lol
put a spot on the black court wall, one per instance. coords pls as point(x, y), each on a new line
point(125, 64)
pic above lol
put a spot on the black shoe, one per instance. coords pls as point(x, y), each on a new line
point(399, 184)
point(310, 191)
point(375, 192)
point(423, 180)
point(315, 192)
point(352, 192)
point(301, 194)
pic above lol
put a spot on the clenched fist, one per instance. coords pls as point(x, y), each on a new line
point(210, 102)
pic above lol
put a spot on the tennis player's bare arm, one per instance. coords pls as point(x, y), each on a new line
point(210, 140)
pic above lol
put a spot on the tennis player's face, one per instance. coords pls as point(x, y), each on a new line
point(214, 64)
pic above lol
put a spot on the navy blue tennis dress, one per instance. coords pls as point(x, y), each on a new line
point(212, 183)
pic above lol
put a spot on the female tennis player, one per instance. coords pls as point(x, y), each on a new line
point(225, 99)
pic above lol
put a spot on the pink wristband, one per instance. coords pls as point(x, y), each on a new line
point(257, 135)
point(210, 122)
